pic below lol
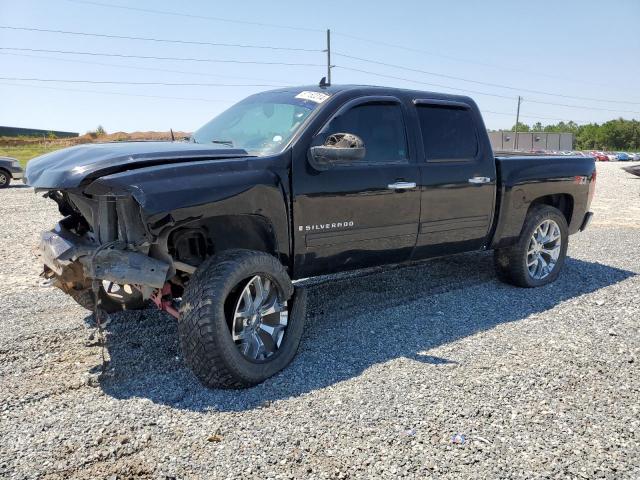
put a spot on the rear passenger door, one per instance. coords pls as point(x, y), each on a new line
point(458, 179)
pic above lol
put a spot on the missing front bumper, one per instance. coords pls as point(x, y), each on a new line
point(62, 251)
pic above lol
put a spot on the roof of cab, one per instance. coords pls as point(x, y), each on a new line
point(332, 89)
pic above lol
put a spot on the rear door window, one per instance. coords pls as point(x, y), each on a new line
point(448, 132)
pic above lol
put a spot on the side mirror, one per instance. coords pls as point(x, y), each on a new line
point(338, 149)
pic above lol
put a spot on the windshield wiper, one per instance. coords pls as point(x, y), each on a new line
point(223, 142)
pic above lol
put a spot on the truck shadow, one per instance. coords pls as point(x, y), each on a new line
point(353, 324)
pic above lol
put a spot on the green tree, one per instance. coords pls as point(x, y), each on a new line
point(522, 127)
point(616, 135)
point(587, 137)
point(98, 132)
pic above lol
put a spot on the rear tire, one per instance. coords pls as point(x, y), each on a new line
point(213, 347)
point(517, 264)
point(5, 178)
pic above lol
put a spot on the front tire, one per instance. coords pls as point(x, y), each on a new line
point(240, 319)
point(538, 256)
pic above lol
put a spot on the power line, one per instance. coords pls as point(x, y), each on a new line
point(534, 117)
point(478, 82)
point(582, 107)
point(199, 17)
point(197, 84)
point(292, 27)
point(161, 40)
point(346, 68)
point(164, 97)
point(198, 99)
point(149, 57)
point(113, 82)
point(319, 30)
point(466, 60)
point(136, 67)
point(439, 85)
point(485, 93)
point(308, 29)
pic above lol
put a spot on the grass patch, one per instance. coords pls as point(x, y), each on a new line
point(25, 148)
point(24, 153)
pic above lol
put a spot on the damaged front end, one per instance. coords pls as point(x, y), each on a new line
point(118, 202)
point(102, 238)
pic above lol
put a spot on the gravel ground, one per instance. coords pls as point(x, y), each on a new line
point(434, 370)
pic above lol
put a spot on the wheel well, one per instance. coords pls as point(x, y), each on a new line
point(3, 170)
point(561, 201)
point(194, 242)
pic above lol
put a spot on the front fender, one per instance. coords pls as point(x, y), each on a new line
point(171, 195)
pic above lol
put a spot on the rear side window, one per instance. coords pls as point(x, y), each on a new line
point(381, 128)
point(448, 133)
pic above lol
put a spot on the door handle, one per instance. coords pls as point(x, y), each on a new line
point(479, 180)
point(402, 185)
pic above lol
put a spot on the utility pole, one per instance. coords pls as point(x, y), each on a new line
point(328, 57)
point(515, 142)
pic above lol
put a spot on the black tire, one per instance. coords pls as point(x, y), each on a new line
point(511, 262)
point(203, 327)
point(86, 299)
point(5, 178)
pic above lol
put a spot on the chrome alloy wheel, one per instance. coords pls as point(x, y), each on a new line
point(3, 179)
point(259, 320)
point(544, 249)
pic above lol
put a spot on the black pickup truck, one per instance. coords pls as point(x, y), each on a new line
point(289, 184)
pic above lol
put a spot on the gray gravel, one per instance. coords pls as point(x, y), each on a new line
point(434, 370)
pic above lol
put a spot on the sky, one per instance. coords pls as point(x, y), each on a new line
point(586, 53)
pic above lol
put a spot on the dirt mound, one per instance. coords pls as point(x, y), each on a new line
point(92, 137)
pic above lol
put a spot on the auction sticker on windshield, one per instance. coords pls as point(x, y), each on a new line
point(317, 97)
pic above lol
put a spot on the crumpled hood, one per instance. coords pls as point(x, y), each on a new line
point(71, 167)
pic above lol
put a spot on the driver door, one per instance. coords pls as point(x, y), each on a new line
point(361, 213)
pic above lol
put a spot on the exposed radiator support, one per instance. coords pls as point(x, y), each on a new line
point(107, 219)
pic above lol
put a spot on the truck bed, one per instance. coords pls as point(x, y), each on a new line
point(521, 179)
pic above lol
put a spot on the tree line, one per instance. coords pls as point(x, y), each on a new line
point(616, 135)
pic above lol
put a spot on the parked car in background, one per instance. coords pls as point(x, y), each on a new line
point(10, 169)
point(623, 156)
point(634, 156)
point(612, 156)
point(600, 156)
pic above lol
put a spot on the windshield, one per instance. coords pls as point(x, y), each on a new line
point(262, 124)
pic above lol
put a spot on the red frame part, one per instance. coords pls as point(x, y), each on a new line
point(163, 300)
